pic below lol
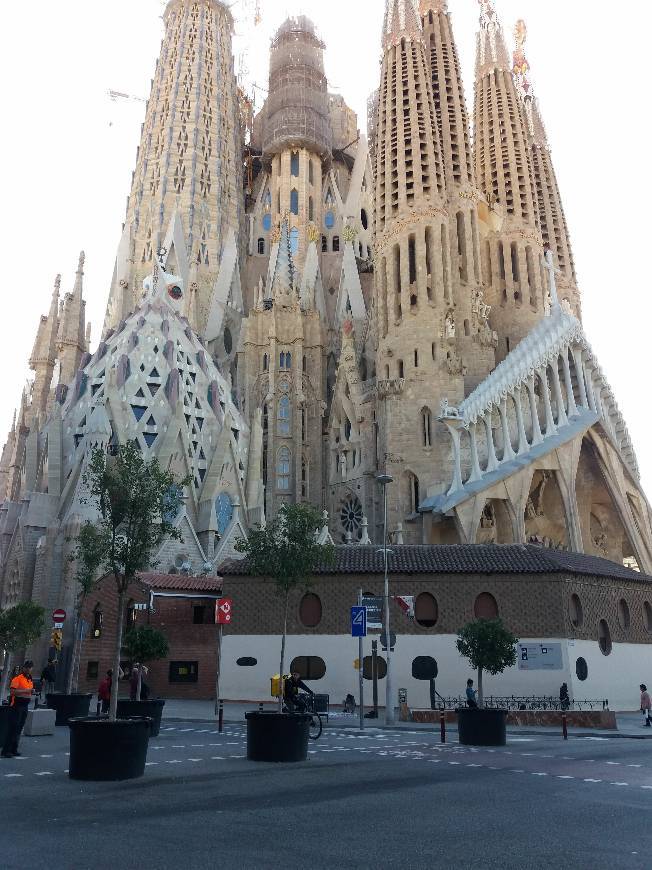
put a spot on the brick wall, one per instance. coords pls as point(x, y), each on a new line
point(172, 616)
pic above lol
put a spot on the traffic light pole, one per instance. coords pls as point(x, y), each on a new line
point(360, 671)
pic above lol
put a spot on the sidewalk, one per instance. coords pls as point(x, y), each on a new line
point(629, 724)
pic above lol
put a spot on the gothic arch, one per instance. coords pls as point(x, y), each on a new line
point(546, 521)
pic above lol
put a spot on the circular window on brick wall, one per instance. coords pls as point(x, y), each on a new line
point(581, 669)
point(647, 616)
point(604, 637)
point(310, 610)
point(426, 611)
point(576, 611)
point(623, 614)
point(485, 606)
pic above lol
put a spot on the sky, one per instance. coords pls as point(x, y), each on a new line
point(67, 150)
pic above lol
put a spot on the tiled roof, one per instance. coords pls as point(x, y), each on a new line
point(464, 559)
point(181, 583)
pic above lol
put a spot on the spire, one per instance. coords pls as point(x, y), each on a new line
point(71, 338)
point(492, 50)
point(552, 220)
point(282, 286)
point(401, 22)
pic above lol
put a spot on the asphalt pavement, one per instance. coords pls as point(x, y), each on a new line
point(378, 799)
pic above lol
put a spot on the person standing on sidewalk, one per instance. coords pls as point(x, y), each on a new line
point(471, 695)
point(646, 705)
point(21, 691)
point(48, 677)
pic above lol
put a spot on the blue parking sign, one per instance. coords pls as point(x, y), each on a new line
point(358, 622)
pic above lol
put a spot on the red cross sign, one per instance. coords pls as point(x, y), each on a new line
point(223, 611)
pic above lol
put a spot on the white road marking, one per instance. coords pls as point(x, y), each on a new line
point(151, 763)
point(647, 786)
point(517, 771)
point(217, 758)
point(174, 761)
point(454, 762)
point(195, 760)
point(12, 775)
point(620, 783)
point(46, 756)
point(592, 780)
point(564, 777)
point(44, 773)
point(539, 774)
point(634, 765)
point(613, 762)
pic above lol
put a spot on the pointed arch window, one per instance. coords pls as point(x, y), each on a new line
point(324, 245)
point(336, 244)
point(261, 246)
point(283, 462)
point(294, 241)
point(304, 479)
point(284, 416)
point(294, 164)
point(286, 360)
point(265, 362)
point(294, 201)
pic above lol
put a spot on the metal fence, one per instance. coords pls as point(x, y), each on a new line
point(525, 702)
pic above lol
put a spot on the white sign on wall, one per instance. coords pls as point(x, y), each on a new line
point(539, 657)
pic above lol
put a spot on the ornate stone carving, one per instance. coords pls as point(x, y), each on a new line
point(391, 387)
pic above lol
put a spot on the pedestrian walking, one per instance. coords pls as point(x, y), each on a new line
point(471, 695)
point(104, 692)
point(21, 691)
point(564, 699)
point(646, 705)
point(48, 677)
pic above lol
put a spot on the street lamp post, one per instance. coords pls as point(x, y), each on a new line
point(384, 480)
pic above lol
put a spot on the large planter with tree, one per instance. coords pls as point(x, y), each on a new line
point(141, 645)
point(105, 751)
point(136, 502)
point(20, 626)
point(490, 648)
point(286, 552)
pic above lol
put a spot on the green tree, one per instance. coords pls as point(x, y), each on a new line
point(144, 644)
point(137, 503)
point(488, 646)
point(286, 551)
point(20, 626)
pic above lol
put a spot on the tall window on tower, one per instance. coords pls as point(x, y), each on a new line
point(285, 360)
point(294, 201)
point(426, 427)
point(283, 470)
point(294, 164)
point(284, 417)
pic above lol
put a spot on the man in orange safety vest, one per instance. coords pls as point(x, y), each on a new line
point(21, 692)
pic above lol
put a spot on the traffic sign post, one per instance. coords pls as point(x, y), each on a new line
point(58, 616)
point(358, 621)
point(223, 616)
point(356, 613)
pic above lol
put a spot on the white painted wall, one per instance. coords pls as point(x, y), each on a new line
point(615, 677)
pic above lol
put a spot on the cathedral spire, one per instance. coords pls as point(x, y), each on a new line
point(71, 338)
point(401, 22)
point(552, 219)
point(513, 251)
point(492, 50)
point(44, 353)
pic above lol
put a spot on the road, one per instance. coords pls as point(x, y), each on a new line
point(382, 799)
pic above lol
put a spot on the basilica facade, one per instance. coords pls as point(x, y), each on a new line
point(297, 307)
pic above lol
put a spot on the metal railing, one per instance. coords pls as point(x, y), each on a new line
point(525, 702)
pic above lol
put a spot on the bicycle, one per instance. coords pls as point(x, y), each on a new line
point(306, 704)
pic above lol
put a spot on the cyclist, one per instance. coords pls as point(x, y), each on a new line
point(294, 702)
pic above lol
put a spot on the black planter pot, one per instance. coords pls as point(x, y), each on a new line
point(4, 722)
point(277, 736)
point(103, 751)
point(481, 727)
point(69, 706)
point(151, 709)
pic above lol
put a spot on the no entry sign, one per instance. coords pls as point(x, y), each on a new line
point(59, 616)
point(224, 611)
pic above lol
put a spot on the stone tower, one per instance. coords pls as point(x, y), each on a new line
point(296, 134)
point(419, 361)
point(72, 341)
point(513, 250)
point(43, 358)
point(281, 373)
point(469, 313)
point(552, 219)
point(186, 194)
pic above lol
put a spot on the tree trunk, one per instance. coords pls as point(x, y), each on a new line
point(115, 682)
point(139, 684)
point(76, 643)
point(5, 675)
point(285, 631)
point(480, 693)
